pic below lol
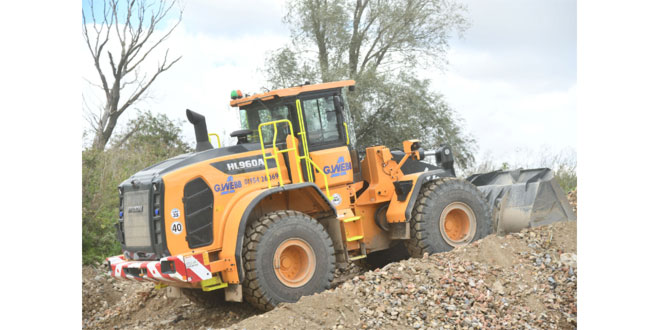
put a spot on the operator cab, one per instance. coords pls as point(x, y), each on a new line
point(323, 121)
point(325, 117)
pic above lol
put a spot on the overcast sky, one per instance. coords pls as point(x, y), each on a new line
point(511, 77)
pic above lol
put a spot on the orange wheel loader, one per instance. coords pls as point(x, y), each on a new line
point(268, 219)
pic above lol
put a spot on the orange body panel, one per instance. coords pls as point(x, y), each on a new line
point(374, 237)
point(396, 211)
point(336, 164)
point(380, 170)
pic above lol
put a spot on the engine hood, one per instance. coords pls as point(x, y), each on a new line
point(183, 160)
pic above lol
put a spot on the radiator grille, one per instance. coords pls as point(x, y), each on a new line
point(198, 209)
point(136, 219)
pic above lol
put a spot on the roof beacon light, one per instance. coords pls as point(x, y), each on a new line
point(236, 94)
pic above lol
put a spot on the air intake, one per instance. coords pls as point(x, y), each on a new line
point(201, 133)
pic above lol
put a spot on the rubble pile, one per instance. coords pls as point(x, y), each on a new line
point(525, 280)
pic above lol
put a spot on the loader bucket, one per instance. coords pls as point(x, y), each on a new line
point(523, 198)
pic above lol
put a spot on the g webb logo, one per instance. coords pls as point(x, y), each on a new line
point(338, 169)
point(228, 187)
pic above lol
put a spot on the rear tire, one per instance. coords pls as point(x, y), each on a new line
point(287, 255)
point(448, 213)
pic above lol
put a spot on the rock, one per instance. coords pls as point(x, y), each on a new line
point(498, 287)
point(568, 259)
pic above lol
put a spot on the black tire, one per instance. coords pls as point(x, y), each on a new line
point(206, 299)
point(381, 258)
point(262, 287)
point(427, 234)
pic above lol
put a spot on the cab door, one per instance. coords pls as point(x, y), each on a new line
point(327, 141)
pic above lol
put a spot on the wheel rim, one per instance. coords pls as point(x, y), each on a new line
point(294, 262)
point(458, 224)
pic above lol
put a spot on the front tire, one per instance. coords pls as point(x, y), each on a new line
point(287, 255)
point(448, 213)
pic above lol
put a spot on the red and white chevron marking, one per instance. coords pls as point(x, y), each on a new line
point(188, 269)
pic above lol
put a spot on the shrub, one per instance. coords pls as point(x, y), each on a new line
point(146, 140)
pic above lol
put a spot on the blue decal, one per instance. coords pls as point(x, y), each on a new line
point(338, 169)
point(228, 187)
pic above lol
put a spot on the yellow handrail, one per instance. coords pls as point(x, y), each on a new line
point(275, 151)
point(217, 137)
point(303, 134)
point(308, 160)
point(347, 139)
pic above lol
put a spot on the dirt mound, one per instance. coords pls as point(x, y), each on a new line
point(109, 303)
point(522, 280)
point(112, 304)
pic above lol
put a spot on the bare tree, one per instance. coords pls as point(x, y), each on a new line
point(133, 24)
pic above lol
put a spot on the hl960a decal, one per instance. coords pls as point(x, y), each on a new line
point(244, 164)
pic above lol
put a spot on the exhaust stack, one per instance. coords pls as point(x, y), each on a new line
point(201, 133)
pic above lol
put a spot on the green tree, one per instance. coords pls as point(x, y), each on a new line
point(146, 140)
point(382, 45)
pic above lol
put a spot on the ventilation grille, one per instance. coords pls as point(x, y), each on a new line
point(198, 211)
point(136, 219)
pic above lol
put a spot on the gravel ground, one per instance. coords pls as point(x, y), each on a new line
point(109, 303)
point(572, 199)
point(526, 280)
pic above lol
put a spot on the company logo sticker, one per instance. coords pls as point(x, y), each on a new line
point(175, 213)
point(228, 187)
point(338, 169)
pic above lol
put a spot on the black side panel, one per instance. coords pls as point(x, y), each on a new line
point(355, 160)
point(411, 165)
point(198, 211)
point(402, 188)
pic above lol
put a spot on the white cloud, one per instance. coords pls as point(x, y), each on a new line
point(513, 78)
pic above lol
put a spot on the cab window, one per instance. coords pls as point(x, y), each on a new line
point(251, 118)
point(321, 120)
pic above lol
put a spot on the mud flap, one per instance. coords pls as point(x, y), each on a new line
point(523, 198)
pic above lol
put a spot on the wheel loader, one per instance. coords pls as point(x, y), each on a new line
point(268, 219)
